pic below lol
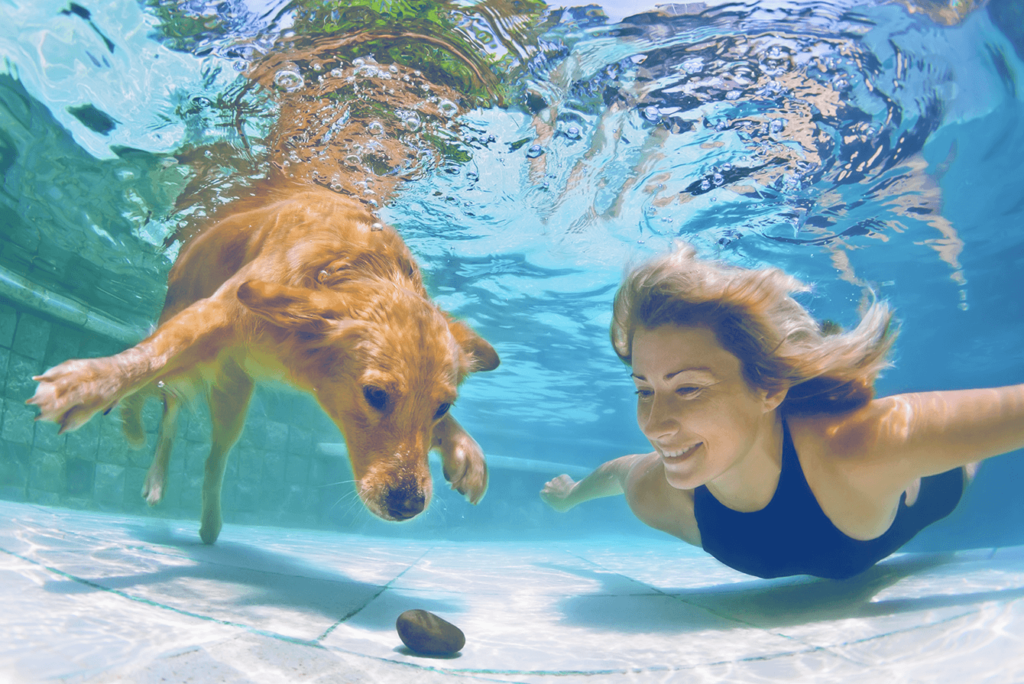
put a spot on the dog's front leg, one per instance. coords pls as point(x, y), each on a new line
point(462, 458)
point(72, 392)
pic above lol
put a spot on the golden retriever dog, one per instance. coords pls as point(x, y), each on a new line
point(305, 286)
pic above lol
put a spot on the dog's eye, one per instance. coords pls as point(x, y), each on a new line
point(376, 397)
point(441, 410)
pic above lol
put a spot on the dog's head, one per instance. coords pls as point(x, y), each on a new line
point(385, 364)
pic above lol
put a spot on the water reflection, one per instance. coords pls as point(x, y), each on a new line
point(501, 134)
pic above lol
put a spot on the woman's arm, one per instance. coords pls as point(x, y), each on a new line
point(938, 431)
point(641, 477)
point(563, 493)
point(914, 435)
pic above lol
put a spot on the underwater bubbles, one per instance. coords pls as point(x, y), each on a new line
point(447, 108)
point(651, 114)
point(375, 128)
point(289, 78)
point(840, 82)
point(411, 120)
point(534, 151)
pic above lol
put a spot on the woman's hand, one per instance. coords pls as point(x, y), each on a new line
point(556, 493)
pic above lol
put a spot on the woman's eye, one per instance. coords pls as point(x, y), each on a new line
point(441, 410)
point(375, 397)
point(688, 391)
point(644, 393)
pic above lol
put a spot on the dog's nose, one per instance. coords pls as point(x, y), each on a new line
point(404, 501)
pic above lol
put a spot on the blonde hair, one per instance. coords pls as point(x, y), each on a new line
point(755, 318)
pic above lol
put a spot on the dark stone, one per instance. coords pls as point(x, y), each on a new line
point(427, 634)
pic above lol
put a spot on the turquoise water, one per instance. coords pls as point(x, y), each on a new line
point(862, 146)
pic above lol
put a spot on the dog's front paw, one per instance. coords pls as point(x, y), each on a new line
point(464, 466)
point(70, 393)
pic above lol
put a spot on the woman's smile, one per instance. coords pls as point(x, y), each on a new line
point(676, 455)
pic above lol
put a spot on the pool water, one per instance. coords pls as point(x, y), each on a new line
point(527, 153)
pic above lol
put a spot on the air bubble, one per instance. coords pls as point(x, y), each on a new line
point(534, 151)
point(411, 120)
point(447, 108)
point(718, 179)
point(377, 227)
point(705, 185)
point(733, 95)
point(573, 133)
point(289, 78)
point(651, 113)
point(776, 125)
point(375, 128)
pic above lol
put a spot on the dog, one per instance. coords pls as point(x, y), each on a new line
point(305, 286)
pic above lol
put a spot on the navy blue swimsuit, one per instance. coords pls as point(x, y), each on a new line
point(792, 536)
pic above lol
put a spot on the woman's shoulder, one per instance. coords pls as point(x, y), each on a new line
point(847, 436)
point(656, 503)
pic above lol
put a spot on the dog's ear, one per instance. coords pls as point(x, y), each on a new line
point(483, 356)
point(292, 308)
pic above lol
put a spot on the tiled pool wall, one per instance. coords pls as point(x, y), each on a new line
point(277, 474)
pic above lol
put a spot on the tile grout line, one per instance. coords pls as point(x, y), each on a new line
point(356, 611)
point(809, 646)
point(155, 604)
point(314, 643)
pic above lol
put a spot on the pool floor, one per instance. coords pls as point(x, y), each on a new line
point(89, 597)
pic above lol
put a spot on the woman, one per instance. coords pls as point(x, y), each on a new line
point(770, 451)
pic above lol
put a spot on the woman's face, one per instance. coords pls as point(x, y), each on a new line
point(694, 405)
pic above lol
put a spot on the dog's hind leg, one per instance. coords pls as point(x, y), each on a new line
point(229, 400)
point(156, 478)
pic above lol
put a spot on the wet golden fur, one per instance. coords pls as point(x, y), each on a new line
point(299, 286)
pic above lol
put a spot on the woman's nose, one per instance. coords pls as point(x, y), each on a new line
point(661, 421)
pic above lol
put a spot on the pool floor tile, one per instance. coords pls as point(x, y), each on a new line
point(92, 597)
